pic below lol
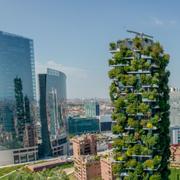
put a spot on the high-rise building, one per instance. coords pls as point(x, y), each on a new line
point(52, 88)
point(139, 92)
point(17, 78)
point(92, 108)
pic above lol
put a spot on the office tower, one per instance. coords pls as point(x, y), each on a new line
point(139, 92)
point(17, 78)
point(80, 125)
point(52, 88)
point(92, 108)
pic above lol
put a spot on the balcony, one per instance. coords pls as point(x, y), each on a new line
point(119, 65)
point(123, 174)
point(154, 66)
point(148, 100)
point(150, 129)
point(139, 72)
point(142, 156)
point(113, 51)
point(129, 128)
point(146, 57)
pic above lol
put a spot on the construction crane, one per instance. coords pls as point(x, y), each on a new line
point(140, 34)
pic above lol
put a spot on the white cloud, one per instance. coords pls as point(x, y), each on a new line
point(157, 21)
point(72, 72)
point(160, 22)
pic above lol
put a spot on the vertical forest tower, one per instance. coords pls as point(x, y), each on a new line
point(139, 93)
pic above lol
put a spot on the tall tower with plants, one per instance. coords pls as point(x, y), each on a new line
point(139, 93)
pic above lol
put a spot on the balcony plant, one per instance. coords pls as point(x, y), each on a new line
point(131, 163)
point(131, 109)
point(112, 46)
point(143, 108)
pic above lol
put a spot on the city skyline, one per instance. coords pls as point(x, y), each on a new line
point(73, 37)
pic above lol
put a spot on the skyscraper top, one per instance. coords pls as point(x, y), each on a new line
point(55, 72)
point(13, 35)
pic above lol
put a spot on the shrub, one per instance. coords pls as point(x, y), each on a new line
point(149, 164)
point(112, 46)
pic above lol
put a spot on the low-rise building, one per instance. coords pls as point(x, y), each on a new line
point(81, 125)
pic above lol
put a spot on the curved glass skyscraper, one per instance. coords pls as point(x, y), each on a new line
point(17, 91)
point(52, 88)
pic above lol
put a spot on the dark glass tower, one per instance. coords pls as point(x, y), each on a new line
point(16, 60)
point(140, 95)
point(52, 88)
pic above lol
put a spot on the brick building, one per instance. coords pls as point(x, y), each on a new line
point(88, 165)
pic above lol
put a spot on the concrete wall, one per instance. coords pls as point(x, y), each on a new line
point(6, 157)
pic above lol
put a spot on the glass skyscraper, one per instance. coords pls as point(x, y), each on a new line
point(16, 62)
point(52, 88)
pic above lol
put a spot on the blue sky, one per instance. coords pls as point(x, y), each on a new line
point(73, 35)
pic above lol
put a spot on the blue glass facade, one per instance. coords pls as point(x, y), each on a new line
point(52, 88)
point(80, 125)
point(16, 60)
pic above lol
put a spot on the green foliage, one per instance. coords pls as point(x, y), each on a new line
point(149, 119)
point(132, 163)
point(137, 42)
point(155, 177)
point(112, 46)
point(117, 129)
point(54, 174)
point(143, 108)
point(132, 123)
point(131, 108)
point(149, 164)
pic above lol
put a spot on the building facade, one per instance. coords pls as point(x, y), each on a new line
point(52, 88)
point(107, 168)
point(105, 123)
point(84, 151)
point(174, 106)
point(92, 108)
point(175, 134)
point(140, 95)
point(17, 80)
point(81, 125)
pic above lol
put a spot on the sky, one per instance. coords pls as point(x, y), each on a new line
point(73, 35)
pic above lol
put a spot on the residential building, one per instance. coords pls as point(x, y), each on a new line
point(140, 96)
point(80, 125)
point(107, 168)
point(17, 80)
point(52, 88)
point(87, 166)
point(92, 108)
